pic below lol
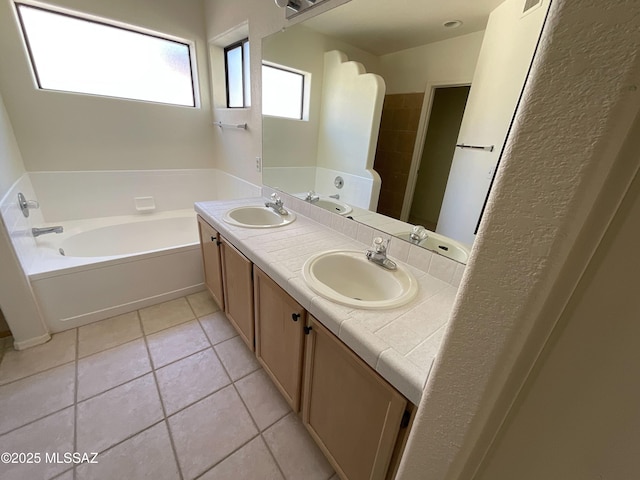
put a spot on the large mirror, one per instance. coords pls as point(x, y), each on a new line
point(395, 113)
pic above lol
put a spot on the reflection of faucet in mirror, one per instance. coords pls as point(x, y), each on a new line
point(311, 197)
point(418, 234)
point(409, 157)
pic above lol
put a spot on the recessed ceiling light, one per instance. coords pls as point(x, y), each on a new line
point(452, 24)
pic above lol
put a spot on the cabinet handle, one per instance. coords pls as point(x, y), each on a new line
point(307, 330)
point(213, 239)
point(295, 317)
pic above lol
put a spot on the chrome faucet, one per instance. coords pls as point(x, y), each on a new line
point(418, 234)
point(276, 204)
point(43, 231)
point(378, 254)
point(312, 197)
point(336, 196)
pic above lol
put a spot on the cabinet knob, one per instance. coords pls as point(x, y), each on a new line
point(307, 330)
point(295, 317)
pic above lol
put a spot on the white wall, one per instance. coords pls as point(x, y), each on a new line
point(16, 297)
point(507, 49)
point(59, 131)
point(578, 415)
point(67, 196)
point(11, 166)
point(453, 60)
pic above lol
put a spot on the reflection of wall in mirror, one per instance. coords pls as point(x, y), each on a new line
point(292, 154)
point(507, 49)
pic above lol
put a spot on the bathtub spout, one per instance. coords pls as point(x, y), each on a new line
point(42, 231)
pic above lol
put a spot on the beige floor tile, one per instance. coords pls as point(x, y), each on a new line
point(52, 434)
point(147, 455)
point(203, 433)
point(108, 333)
point(114, 415)
point(217, 327)
point(295, 451)
point(177, 342)
point(107, 369)
point(262, 398)
point(190, 379)
point(237, 358)
point(36, 396)
point(165, 315)
point(251, 462)
point(202, 303)
point(59, 350)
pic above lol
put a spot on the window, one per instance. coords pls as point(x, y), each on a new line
point(283, 92)
point(73, 54)
point(236, 63)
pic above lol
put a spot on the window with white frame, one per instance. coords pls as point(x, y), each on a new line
point(236, 63)
point(283, 92)
point(71, 53)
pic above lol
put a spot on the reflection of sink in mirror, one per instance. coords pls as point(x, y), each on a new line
point(330, 204)
point(444, 246)
point(424, 179)
point(257, 217)
point(348, 278)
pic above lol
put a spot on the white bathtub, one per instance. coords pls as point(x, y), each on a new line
point(114, 265)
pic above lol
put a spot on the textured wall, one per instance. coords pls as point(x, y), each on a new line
point(578, 108)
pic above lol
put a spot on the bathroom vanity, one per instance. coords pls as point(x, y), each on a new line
point(329, 361)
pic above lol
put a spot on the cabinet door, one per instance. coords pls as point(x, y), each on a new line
point(351, 412)
point(210, 245)
point(279, 336)
point(238, 291)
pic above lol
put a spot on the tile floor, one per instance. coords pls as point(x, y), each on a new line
point(166, 392)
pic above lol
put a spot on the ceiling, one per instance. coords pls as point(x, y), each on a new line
point(386, 26)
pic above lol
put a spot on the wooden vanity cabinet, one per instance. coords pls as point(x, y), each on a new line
point(280, 321)
point(352, 413)
point(210, 244)
point(238, 291)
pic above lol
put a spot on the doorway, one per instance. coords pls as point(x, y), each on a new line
point(430, 180)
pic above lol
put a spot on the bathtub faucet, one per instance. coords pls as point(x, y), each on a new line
point(43, 231)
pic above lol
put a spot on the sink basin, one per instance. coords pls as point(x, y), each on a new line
point(333, 206)
point(348, 278)
point(444, 246)
point(257, 217)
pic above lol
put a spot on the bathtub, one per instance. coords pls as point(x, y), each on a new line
point(99, 268)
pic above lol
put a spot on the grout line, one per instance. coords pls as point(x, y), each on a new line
point(275, 460)
point(164, 410)
point(37, 373)
point(36, 420)
point(226, 457)
point(75, 400)
point(109, 348)
point(181, 322)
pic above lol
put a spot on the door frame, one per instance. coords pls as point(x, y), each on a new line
point(418, 147)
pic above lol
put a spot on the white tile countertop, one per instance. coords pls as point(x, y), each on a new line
point(399, 343)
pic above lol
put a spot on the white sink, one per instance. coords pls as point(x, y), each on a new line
point(333, 206)
point(348, 278)
point(257, 217)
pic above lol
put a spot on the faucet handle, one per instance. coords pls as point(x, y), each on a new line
point(276, 199)
point(380, 245)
